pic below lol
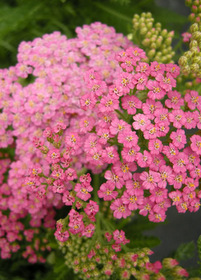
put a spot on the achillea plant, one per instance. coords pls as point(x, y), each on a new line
point(99, 131)
point(152, 38)
point(190, 61)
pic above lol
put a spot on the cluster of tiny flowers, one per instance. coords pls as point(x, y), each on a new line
point(190, 61)
point(135, 130)
point(44, 87)
point(13, 232)
point(95, 109)
point(104, 261)
point(152, 38)
point(147, 146)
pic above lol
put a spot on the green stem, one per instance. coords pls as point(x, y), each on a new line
point(95, 180)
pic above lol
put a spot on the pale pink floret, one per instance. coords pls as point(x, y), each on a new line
point(141, 121)
point(191, 119)
point(150, 106)
point(130, 103)
point(155, 146)
point(156, 68)
point(173, 69)
point(129, 154)
point(110, 155)
point(150, 180)
point(128, 138)
point(178, 138)
point(132, 200)
point(140, 81)
point(82, 191)
point(193, 99)
point(166, 175)
point(92, 208)
point(120, 209)
point(88, 231)
point(177, 117)
point(125, 80)
point(107, 192)
point(186, 36)
point(157, 217)
point(119, 237)
point(166, 82)
point(175, 100)
point(144, 159)
point(155, 90)
point(117, 126)
point(62, 236)
point(196, 144)
point(116, 179)
point(108, 104)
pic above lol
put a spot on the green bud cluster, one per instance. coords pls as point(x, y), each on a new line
point(102, 264)
point(195, 6)
point(190, 61)
point(154, 40)
point(91, 259)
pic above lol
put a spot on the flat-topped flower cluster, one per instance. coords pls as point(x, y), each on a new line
point(136, 132)
point(96, 125)
point(44, 87)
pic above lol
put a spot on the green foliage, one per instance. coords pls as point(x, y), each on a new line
point(134, 231)
point(19, 269)
point(185, 251)
point(23, 20)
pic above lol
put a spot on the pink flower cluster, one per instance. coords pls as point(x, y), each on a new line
point(148, 162)
point(101, 109)
point(42, 89)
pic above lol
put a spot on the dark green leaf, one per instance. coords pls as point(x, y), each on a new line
point(185, 251)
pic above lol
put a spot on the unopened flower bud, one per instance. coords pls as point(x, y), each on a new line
point(196, 35)
point(194, 27)
point(194, 9)
point(193, 44)
point(197, 59)
point(195, 50)
point(168, 41)
point(143, 31)
point(194, 67)
point(146, 42)
point(153, 45)
point(191, 17)
point(149, 15)
point(164, 32)
point(158, 25)
point(149, 25)
point(151, 53)
point(130, 36)
point(188, 54)
point(188, 2)
point(159, 41)
point(183, 61)
point(186, 70)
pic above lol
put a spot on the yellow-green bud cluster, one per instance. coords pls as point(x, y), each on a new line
point(190, 61)
point(154, 40)
point(102, 264)
point(195, 6)
point(91, 259)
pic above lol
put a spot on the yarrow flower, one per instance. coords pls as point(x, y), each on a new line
point(102, 132)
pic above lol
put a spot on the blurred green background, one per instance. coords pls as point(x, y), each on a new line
point(24, 20)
